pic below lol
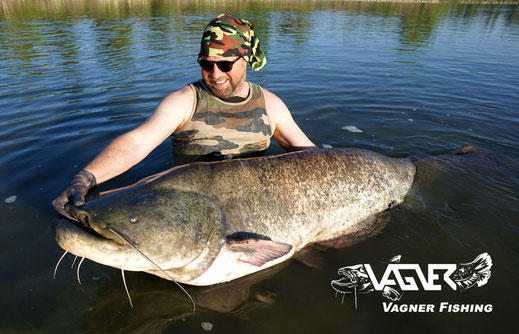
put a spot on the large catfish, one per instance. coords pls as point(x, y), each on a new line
point(212, 222)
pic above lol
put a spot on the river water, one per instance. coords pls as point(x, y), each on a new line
point(401, 79)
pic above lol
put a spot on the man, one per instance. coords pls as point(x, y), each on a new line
point(221, 116)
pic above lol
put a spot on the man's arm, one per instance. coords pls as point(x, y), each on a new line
point(286, 131)
point(130, 148)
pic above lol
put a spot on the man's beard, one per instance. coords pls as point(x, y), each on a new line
point(226, 91)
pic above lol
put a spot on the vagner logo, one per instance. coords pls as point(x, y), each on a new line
point(360, 279)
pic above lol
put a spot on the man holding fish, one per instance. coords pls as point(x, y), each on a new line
point(222, 116)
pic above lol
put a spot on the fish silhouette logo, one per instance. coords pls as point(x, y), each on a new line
point(360, 278)
point(476, 272)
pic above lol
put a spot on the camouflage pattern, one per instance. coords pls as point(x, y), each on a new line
point(226, 36)
point(223, 127)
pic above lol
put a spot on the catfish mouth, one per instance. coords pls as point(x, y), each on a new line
point(81, 239)
point(82, 221)
point(84, 242)
point(68, 234)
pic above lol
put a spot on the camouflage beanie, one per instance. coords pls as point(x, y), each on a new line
point(226, 36)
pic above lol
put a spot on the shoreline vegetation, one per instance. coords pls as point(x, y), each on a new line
point(9, 5)
point(16, 10)
point(419, 18)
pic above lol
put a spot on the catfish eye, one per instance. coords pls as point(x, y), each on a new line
point(133, 219)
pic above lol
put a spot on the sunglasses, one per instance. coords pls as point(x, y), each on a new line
point(224, 65)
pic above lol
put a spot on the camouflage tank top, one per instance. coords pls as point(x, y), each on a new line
point(224, 128)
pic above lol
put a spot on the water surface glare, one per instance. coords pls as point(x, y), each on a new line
point(401, 79)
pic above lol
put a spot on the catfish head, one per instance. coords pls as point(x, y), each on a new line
point(170, 233)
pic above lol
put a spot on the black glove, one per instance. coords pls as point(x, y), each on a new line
point(75, 192)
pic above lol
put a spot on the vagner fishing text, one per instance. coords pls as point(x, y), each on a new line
point(443, 307)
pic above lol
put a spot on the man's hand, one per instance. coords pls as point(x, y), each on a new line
point(75, 192)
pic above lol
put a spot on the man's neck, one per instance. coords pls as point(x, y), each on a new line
point(243, 92)
point(234, 99)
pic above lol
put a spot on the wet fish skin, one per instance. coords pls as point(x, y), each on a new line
point(173, 227)
point(187, 220)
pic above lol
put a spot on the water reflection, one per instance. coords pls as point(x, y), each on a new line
point(96, 22)
point(159, 304)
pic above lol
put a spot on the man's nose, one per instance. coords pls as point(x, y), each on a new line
point(215, 72)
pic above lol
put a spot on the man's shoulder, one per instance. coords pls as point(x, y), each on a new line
point(184, 92)
point(276, 108)
point(180, 98)
point(271, 98)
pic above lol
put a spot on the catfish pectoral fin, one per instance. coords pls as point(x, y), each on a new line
point(258, 251)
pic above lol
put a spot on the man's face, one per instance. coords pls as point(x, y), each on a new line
point(225, 84)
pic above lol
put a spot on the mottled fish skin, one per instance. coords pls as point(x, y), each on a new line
point(185, 217)
point(315, 195)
